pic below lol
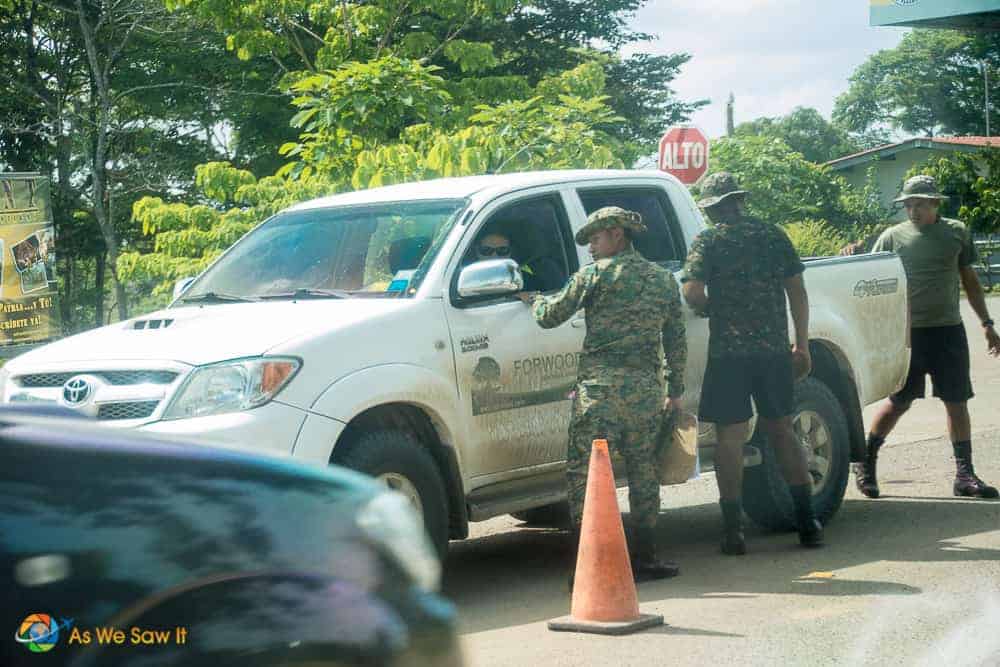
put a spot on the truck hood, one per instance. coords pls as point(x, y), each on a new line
point(205, 334)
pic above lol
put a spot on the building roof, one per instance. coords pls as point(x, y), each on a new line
point(951, 14)
point(963, 144)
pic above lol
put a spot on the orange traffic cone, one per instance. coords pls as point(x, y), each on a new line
point(604, 597)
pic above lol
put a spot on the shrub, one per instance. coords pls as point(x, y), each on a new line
point(815, 238)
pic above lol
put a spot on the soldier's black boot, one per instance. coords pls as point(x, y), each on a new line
point(967, 484)
point(810, 529)
point(864, 471)
point(733, 541)
point(646, 565)
point(574, 545)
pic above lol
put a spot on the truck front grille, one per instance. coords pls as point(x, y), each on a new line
point(127, 410)
point(111, 377)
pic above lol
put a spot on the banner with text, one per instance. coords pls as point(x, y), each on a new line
point(28, 310)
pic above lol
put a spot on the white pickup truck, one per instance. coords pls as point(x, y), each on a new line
point(362, 329)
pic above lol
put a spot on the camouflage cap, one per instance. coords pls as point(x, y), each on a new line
point(920, 187)
point(606, 218)
point(717, 187)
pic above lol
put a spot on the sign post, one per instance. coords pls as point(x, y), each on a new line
point(684, 153)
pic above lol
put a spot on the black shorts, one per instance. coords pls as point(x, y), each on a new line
point(943, 353)
point(731, 381)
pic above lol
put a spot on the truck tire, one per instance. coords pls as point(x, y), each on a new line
point(555, 515)
point(820, 423)
point(398, 460)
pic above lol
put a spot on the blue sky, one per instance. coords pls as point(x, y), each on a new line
point(773, 55)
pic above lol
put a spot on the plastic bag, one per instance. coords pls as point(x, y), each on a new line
point(677, 448)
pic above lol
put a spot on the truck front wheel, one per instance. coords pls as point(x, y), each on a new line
point(398, 460)
point(821, 428)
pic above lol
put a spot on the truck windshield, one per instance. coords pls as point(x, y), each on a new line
point(373, 250)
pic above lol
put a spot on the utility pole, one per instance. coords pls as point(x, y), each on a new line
point(986, 89)
point(730, 124)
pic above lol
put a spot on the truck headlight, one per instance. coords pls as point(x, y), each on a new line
point(389, 521)
point(231, 386)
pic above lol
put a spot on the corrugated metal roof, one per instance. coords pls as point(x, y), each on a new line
point(941, 143)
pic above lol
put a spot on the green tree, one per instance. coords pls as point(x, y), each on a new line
point(972, 183)
point(388, 92)
point(805, 131)
point(784, 186)
point(931, 83)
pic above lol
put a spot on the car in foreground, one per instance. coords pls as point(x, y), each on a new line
point(119, 549)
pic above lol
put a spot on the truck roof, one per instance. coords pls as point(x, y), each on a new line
point(466, 186)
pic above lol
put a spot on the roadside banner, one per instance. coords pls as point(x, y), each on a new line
point(28, 311)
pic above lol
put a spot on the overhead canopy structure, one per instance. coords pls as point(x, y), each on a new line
point(954, 14)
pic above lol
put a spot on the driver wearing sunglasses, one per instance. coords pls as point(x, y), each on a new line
point(493, 246)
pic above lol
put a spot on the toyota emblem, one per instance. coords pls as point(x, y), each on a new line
point(76, 390)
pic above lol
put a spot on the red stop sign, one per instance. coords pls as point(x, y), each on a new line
point(684, 153)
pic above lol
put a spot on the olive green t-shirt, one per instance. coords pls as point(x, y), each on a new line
point(931, 257)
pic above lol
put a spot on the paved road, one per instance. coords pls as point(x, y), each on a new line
point(910, 579)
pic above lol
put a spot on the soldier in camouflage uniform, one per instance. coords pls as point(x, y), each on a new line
point(748, 267)
point(634, 345)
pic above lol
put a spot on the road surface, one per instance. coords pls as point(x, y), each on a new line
point(912, 578)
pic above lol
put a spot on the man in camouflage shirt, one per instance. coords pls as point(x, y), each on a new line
point(634, 344)
point(748, 266)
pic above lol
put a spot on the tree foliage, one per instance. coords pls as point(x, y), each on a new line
point(972, 183)
point(931, 83)
point(805, 131)
point(818, 208)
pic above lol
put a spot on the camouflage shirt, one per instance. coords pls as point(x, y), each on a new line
point(744, 265)
point(633, 314)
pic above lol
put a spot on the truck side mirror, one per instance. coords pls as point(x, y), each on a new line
point(182, 285)
point(491, 277)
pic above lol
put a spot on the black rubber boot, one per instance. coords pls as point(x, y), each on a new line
point(646, 565)
point(810, 529)
point(967, 484)
point(574, 545)
point(733, 541)
point(864, 472)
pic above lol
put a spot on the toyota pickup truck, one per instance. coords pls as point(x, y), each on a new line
point(367, 329)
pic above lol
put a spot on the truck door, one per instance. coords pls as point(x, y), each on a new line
point(514, 377)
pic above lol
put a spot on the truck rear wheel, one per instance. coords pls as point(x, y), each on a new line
point(821, 427)
point(398, 460)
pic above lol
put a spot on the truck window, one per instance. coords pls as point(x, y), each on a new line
point(663, 241)
point(370, 250)
point(538, 232)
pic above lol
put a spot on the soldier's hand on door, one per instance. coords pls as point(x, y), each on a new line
point(527, 297)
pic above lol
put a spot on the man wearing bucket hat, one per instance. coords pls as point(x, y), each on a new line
point(748, 267)
point(634, 343)
point(937, 255)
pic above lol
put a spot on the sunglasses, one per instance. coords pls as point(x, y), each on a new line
point(490, 250)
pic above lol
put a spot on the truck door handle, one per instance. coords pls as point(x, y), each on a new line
point(578, 323)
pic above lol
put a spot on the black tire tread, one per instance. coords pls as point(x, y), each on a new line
point(400, 451)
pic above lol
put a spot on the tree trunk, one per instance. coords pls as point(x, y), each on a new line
point(99, 77)
point(99, 283)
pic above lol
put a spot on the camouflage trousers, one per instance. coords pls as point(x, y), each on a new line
point(624, 410)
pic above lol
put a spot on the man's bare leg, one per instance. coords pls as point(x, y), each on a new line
point(865, 472)
point(795, 469)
